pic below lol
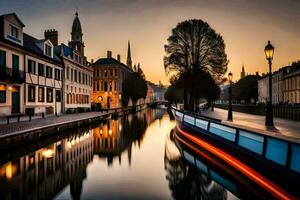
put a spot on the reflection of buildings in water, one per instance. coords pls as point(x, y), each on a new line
point(186, 182)
point(45, 172)
point(113, 137)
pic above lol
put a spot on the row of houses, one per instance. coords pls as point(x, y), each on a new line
point(42, 76)
point(285, 86)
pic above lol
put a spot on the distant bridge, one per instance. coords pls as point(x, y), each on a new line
point(154, 104)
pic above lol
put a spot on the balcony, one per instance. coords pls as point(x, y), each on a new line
point(12, 75)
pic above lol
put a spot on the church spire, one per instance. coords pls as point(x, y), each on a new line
point(129, 61)
point(243, 73)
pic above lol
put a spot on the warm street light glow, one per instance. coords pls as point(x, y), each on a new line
point(48, 153)
point(230, 76)
point(269, 51)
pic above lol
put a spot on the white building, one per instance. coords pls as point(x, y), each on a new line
point(78, 74)
point(12, 74)
point(43, 86)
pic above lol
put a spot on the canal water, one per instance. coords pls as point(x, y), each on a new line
point(133, 157)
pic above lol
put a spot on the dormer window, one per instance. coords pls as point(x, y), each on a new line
point(14, 32)
point(48, 50)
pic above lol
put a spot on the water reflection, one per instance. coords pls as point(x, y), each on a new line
point(45, 172)
point(186, 182)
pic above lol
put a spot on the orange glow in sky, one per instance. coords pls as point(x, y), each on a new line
point(107, 25)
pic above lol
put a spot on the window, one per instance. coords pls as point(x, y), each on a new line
point(48, 50)
point(31, 66)
point(98, 87)
point(71, 74)
point(110, 72)
point(41, 94)
point(41, 69)
point(79, 77)
point(105, 86)
point(31, 93)
point(49, 95)
point(49, 72)
point(110, 85)
point(57, 95)
point(15, 62)
point(115, 88)
point(14, 32)
point(57, 74)
point(105, 73)
point(97, 70)
point(116, 72)
point(2, 59)
point(2, 93)
point(68, 71)
point(75, 75)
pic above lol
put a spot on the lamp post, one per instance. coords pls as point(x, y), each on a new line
point(269, 52)
point(229, 117)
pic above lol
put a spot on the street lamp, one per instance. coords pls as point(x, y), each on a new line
point(229, 117)
point(269, 52)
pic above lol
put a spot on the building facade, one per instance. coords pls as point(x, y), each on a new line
point(12, 75)
point(109, 74)
point(78, 74)
point(291, 85)
point(277, 88)
point(43, 85)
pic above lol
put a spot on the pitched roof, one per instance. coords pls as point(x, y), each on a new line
point(110, 61)
point(29, 44)
point(15, 15)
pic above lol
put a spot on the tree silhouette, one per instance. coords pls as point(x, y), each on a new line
point(194, 47)
point(135, 87)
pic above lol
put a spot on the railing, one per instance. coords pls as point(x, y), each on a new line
point(13, 75)
point(282, 152)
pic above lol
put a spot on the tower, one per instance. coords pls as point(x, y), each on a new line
point(76, 42)
point(129, 61)
point(243, 73)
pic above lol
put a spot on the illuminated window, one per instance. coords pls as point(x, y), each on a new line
point(31, 93)
point(41, 94)
point(2, 93)
point(49, 95)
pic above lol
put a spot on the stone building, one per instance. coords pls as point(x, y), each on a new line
point(291, 84)
point(277, 88)
point(109, 74)
point(78, 74)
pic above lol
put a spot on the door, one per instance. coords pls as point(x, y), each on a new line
point(15, 103)
point(2, 65)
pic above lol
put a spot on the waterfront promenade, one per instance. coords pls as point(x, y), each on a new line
point(16, 127)
point(283, 127)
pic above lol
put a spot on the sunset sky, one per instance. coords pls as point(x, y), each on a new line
point(108, 24)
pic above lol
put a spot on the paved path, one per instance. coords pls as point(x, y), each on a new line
point(36, 123)
point(283, 127)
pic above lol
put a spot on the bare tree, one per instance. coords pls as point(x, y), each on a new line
point(192, 47)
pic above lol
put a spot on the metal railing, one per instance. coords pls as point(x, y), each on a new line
point(279, 151)
point(13, 75)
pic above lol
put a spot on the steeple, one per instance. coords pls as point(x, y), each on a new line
point(129, 61)
point(76, 42)
point(243, 73)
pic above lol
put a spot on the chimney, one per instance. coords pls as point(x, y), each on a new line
point(119, 57)
point(109, 53)
point(52, 35)
point(92, 61)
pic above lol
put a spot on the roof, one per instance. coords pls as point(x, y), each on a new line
point(29, 44)
point(15, 15)
point(110, 61)
point(76, 27)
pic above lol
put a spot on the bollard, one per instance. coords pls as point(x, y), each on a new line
point(7, 119)
point(18, 118)
point(43, 115)
point(29, 117)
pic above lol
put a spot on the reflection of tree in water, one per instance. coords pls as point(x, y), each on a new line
point(186, 182)
point(114, 137)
